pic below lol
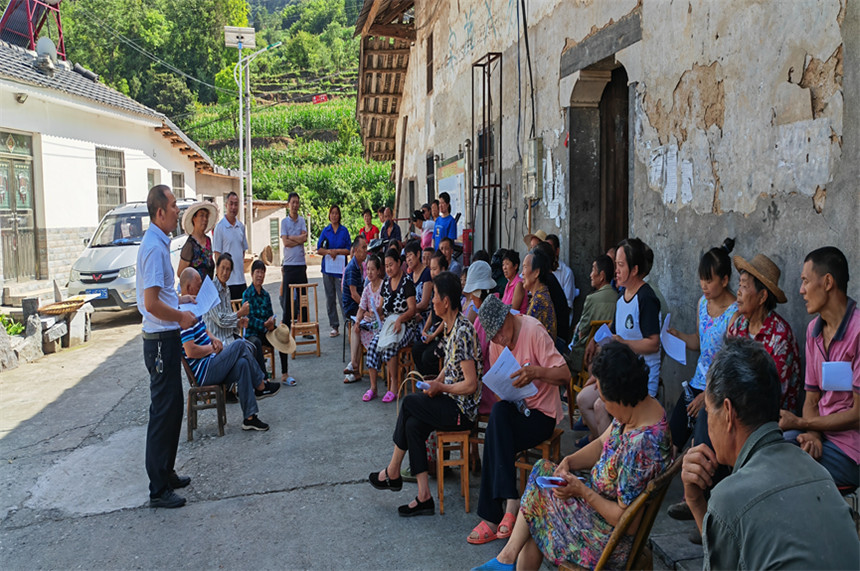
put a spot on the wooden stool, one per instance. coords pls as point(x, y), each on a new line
point(300, 325)
point(549, 449)
point(476, 439)
point(452, 442)
point(200, 398)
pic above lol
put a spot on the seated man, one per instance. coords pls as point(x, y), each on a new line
point(831, 413)
point(778, 508)
point(214, 364)
point(446, 246)
point(599, 306)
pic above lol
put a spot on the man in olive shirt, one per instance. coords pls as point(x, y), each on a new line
point(599, 306)
point(779, 508)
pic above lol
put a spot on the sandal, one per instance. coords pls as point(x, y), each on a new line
point(334, 333)
point(369, 395)
point(291, 382)
point(389, 396)
point(394, 485)
point(495, 565)
point(351, 378)
point(485, 534)
point(508, 521)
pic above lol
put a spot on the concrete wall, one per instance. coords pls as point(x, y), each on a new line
point(743, 123)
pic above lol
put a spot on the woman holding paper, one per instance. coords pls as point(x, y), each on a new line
point(366, 320)
point(333, 245)
point(450, 402)
point(396, 310)
point(573, 522)
point(515, 426)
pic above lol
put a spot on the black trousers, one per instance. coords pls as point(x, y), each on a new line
point(165, 409)
point(508, 432)
point(681, 426)
point(237, 290)
point(292, 275)
point(419, 416)
point(425, 358)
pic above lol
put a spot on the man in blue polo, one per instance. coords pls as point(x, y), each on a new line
point(445, 226)
point(162, 351)
point(229, 237)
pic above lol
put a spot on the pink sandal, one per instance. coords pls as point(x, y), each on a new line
point(389, 396)
point(369, 395)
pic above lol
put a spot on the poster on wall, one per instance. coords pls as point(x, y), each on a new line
point(451, 175)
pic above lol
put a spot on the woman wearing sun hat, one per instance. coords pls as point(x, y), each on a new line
point(758, 294)
point(198, 220)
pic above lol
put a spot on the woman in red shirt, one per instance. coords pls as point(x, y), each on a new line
point(369, 231)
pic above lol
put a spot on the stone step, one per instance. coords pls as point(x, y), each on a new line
point(16, 299)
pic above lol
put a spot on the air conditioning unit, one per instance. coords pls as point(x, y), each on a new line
point(532, 170)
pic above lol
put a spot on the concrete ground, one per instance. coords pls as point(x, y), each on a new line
point(73, 489)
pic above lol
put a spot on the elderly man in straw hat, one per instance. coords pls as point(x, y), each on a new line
point(533, 239)
point(215, 364)
point(198, 221)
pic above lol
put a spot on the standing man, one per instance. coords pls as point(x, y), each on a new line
point(229, 237)
point(390, 231)
point(445, 226)
point(830, 420)
point(162, 350)
point(294, 234)
point(563, 273)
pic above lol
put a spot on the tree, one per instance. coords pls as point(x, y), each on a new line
point(171, 95)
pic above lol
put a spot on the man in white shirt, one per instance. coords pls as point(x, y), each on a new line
point(229, 237)
point(563, 274)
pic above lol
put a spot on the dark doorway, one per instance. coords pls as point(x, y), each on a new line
point(614, 145)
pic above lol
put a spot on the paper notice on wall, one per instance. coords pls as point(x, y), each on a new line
point(686, 182)
point(670, 188)
point(655, 168)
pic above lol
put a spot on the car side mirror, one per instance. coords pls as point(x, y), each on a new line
point(86, 241)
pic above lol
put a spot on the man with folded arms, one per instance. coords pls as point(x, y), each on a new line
point(214, 364)
point(831, 411)
point(778, 508)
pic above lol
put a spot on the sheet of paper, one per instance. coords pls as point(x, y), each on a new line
point(498, 378)
point(673, 346)
point(207, 298)
point(603, 335)
point(335, 266)
point(836, 376)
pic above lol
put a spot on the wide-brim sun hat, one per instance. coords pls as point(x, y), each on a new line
point(188, 217)
point(480, 277)
point(281, 339)
point(765, 270)
point(492, 314)
point(540, 235)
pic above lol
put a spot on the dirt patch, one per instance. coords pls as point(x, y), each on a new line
point(255, 141)
point(324, 135)
point(818, 199)
point(698, 100)
point(823, 78)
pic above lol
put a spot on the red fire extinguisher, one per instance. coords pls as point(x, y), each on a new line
point(468, 245)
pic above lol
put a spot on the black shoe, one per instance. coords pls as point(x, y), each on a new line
point(175, 481)
point(422, 508)
point(307, 336)
point(395, 485)
point(680, 511)
point(231, 396)
point(268, 390)
point(695, 536)
point(254, 423)
point(167, 499)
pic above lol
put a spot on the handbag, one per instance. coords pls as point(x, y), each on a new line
point(387, 335)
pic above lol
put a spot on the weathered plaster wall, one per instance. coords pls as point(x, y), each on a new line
point(744, 123)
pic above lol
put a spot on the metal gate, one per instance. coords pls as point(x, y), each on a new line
point(17, 210)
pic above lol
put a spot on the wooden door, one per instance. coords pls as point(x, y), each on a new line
point(614, 148)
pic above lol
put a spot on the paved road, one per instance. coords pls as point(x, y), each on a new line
point(73, 490)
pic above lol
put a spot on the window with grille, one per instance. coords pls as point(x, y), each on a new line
point(153, 177)
point(430, 63)
point(110, 179)
point(179, 185)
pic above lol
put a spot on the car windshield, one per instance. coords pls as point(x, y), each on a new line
point(120, 230)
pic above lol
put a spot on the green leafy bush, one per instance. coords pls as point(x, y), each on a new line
point(12, 327)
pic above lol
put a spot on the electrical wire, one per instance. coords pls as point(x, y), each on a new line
point(529, 61)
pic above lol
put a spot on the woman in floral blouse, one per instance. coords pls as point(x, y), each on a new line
point(536, 270)
point(449, 403)
point(758, 294)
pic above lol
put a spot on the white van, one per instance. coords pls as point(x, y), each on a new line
point(108, 264)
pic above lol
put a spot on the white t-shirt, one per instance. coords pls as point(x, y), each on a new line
point(637, 319)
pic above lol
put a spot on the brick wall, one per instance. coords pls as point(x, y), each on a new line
point(64, 247)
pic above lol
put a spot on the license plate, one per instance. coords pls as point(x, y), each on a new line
point(101, 292)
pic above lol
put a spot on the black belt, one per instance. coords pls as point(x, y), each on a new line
point(161, 335)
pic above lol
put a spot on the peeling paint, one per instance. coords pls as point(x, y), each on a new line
point(698, 99)
point(824, 79)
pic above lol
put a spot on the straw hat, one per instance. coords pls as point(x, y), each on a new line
point(187, 218)
point(480, 276)
point(492, 315)
point(765, 270)
point(540, 235)
point(281, 339)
